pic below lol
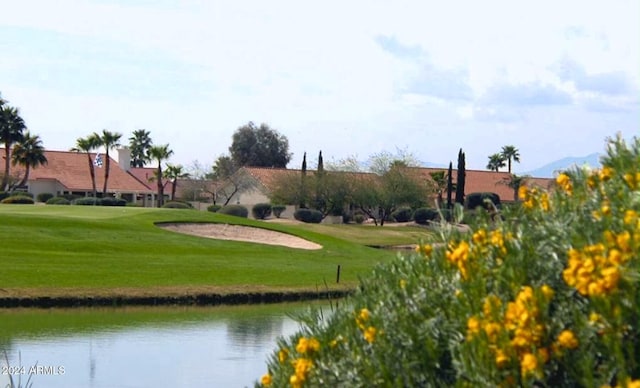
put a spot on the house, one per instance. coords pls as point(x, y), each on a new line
point(67, 172)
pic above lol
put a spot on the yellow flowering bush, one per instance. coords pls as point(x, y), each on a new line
point(547, 294)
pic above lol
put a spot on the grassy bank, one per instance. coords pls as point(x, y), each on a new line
point(102, 251)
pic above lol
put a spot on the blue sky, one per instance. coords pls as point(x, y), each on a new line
point(348, 78)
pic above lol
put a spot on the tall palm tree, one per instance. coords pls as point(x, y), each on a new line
point(28, 153)
point(173, 173)
point(514, 182)
point(440, 180)
point(12, 129)
point(139, 143)
point(160, 153)
point(510, 153)
point(495, 162)
point(88, 144)
point(108, 140)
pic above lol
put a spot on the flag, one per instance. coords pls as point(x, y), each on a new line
point(98, 160)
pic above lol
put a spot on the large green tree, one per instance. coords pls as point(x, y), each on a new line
point(109, 140)
point(28, 153)
point(86, 145)
point(496, 161)
point(160, 153)
point(510, 153)
point(139, 143)
point(12, 129)
point(259, 147)
point(461, 177)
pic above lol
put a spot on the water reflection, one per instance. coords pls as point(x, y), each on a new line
point(146, 347)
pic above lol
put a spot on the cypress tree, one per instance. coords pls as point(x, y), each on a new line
point(320, 163)
point(303, 189)
point(460, 178)
point(449, 185)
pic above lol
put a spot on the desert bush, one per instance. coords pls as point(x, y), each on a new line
point(547, 297)
point(213, 208)
point(423, 215)
point(261, 211)
point(310, 216)
point(19, 199)
point(278, 210)
point(235, 210)
point(474, 200)
point(87, 201)
point(58, 201)
point(402, 214)
point(359, 218)
point(44, 197)
point(109, 201)
point(176, 205)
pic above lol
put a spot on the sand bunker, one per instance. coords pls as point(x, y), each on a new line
point(242, 233)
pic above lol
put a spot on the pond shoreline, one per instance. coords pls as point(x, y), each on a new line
point(202, 299)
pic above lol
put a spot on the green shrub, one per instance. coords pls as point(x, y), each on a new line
point(278, 210)
point(359, 218)
point(87, 201)
point(44, 197)
point(402, 214)
point(110, 201)
point(213, 208)
point(261, 211)
point(58, 201)
point(423, 215)
point(18, 199)
point(176, 205)
point(546, 298)
point(310, 216)
point(235, 210)
point(4, 194)
point(474, 200)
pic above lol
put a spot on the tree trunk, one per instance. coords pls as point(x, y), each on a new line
point(7, 168)
point(173, 190)
point(93, 175)
point(106, 173)
point(25, 178)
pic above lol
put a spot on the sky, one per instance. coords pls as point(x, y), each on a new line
point(350, 78)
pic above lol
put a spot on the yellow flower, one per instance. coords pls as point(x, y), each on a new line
point(301, 367)
point(523, 193)
point(473, 325)
point(528, 364)
point(364, 315)
point(564, 182)
point(630, 217)
point(567, 340)
point(547, 291)
point(266, 380)
point(501, 358)
point(403, 283)
point(306, 345)
point(492, 329)
point(606, 173)
point(282, 355)
point(370, 334)
point(424, 249)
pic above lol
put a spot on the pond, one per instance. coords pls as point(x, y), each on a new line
point(222, 346)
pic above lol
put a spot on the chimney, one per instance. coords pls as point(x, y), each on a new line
point(124, 158)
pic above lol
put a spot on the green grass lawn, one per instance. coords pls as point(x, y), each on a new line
point(78, 250)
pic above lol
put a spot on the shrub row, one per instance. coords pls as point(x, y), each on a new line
point(310, 216)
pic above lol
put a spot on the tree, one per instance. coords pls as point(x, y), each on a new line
point(259, 147)
point(108, 140)
point(28, 153)
point(510, 153)
point(496, 161)
point(460, 178)
point(88, 144)
point(173, 173)
point(12, 129)
point(303, 182)
point(514, 182)
point(228, 180)
point(139, 144)
point(450, 186)
point(320, 163)
point(440, 180)
point(160, 153)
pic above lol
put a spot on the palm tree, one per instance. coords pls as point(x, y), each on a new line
point(139, 143)
point(173, 173)
point(12, 129)
point(510, 153)
point(88, 144)
point(495, 162)
point(514, 182)
point(160, 153)
point(28, 153)
point(108, 140)
point(440, 180)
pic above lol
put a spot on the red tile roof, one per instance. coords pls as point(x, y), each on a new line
point(71, 169)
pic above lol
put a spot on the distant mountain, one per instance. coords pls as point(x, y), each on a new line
point(549, 170)
point(433, 165)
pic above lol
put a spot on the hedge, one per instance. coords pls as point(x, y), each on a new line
point(58, 201)
point(261, 211)
point(235, 210)
point(309, 216)
point(18, 199)
point(278, 210)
